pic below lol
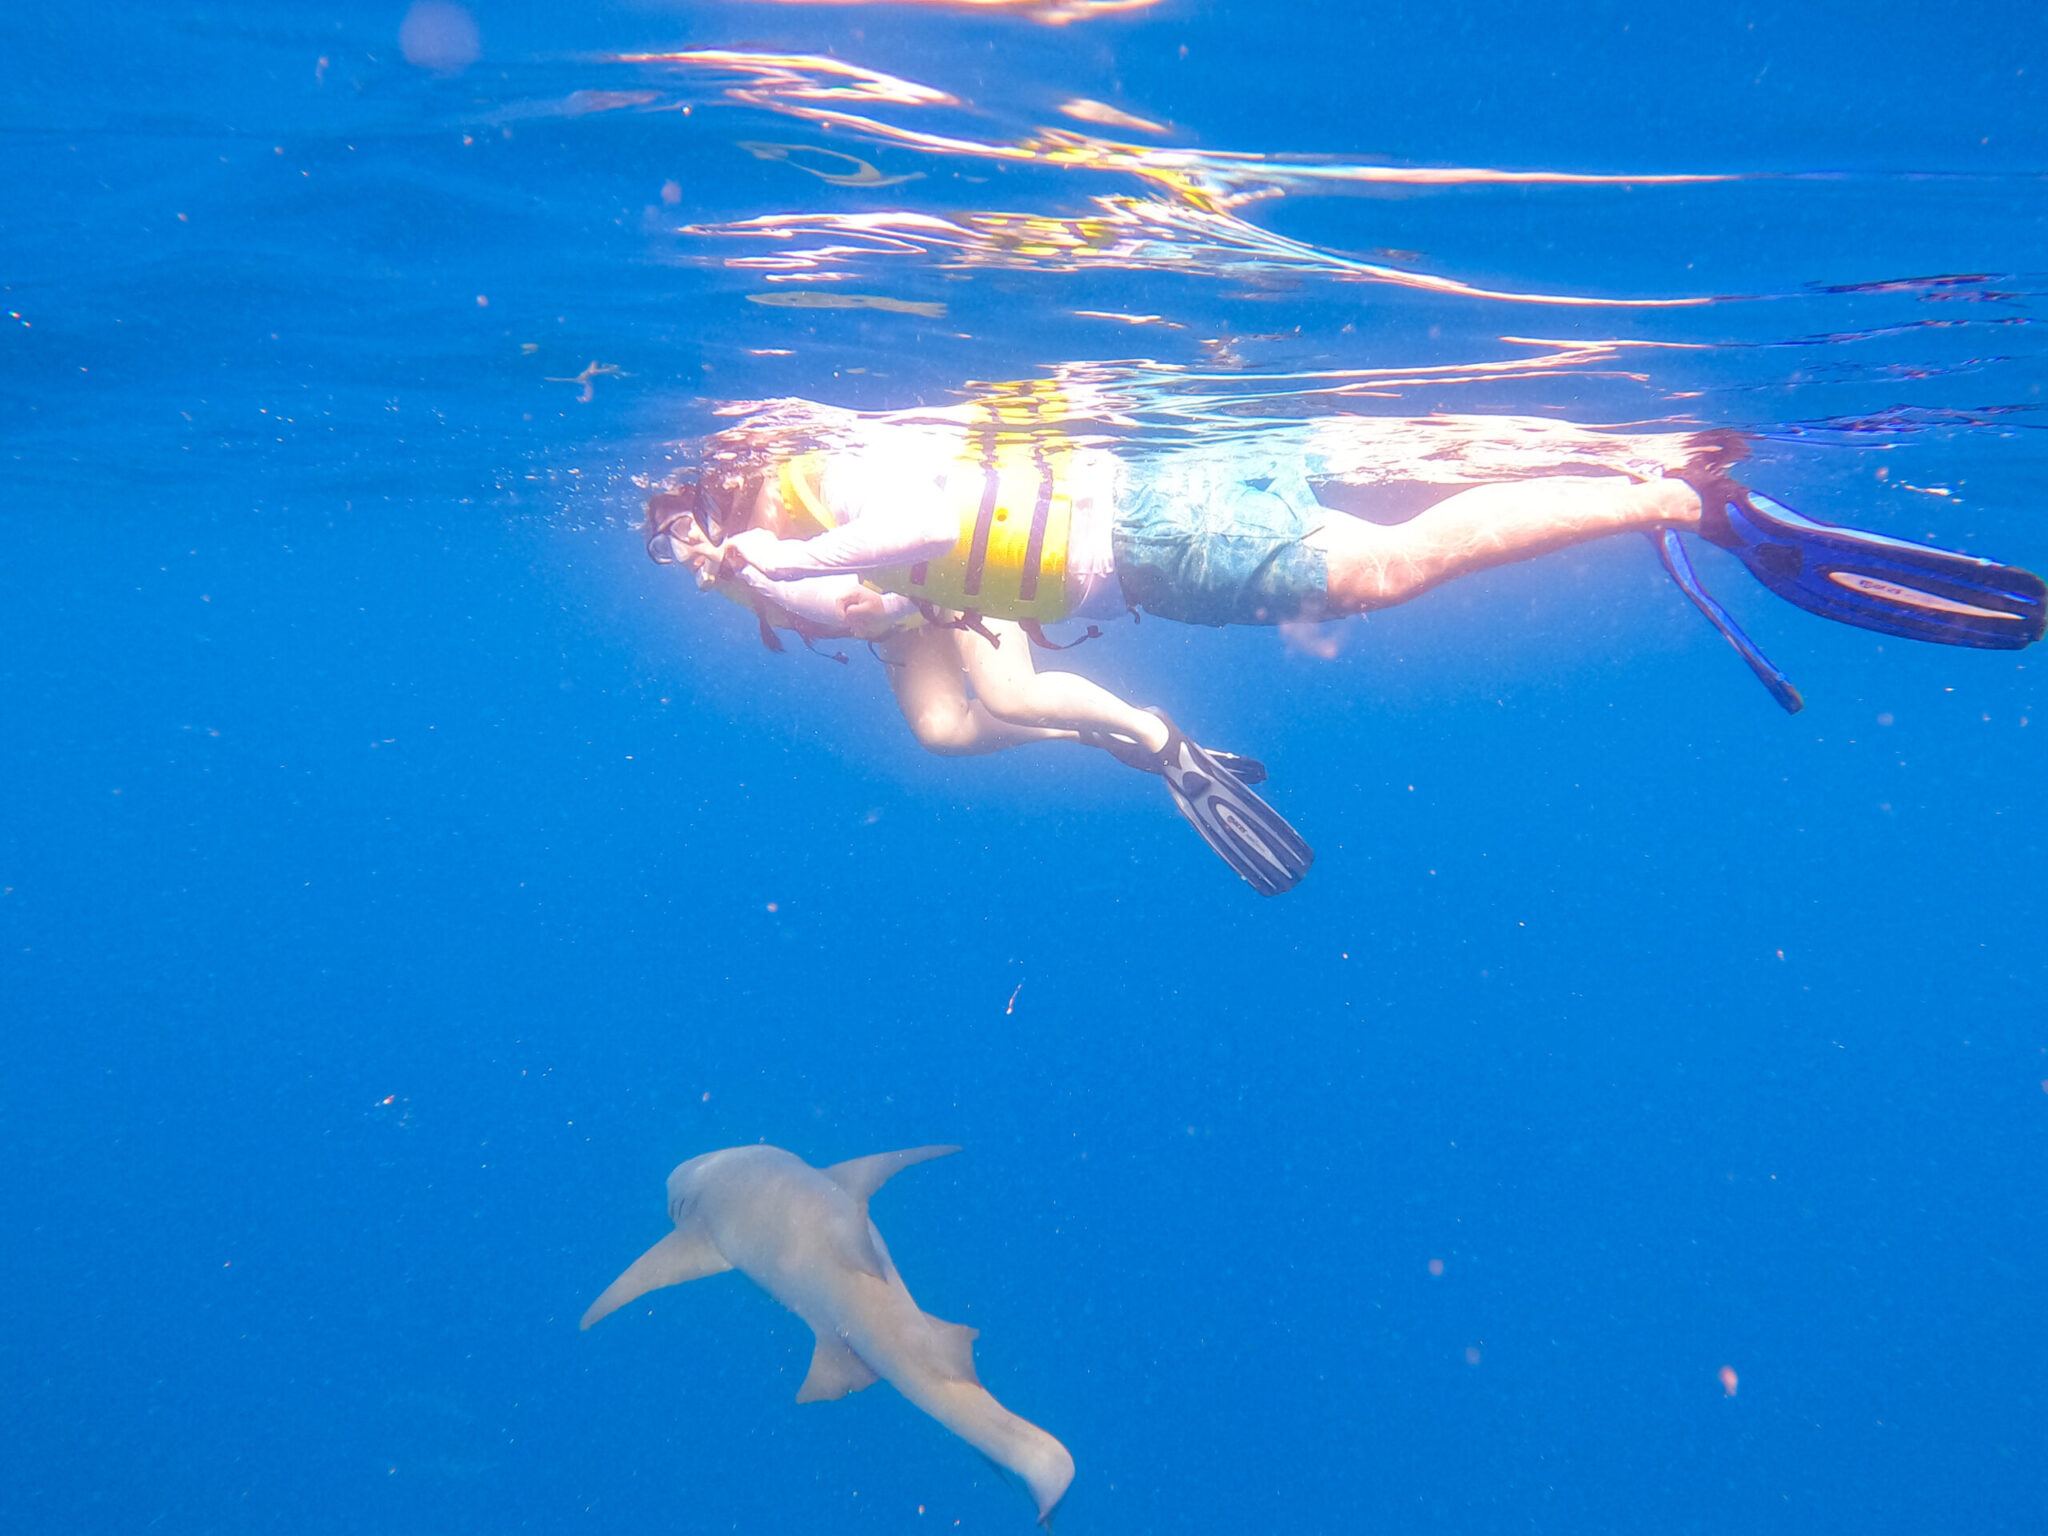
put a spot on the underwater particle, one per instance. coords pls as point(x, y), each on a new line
point(483, 301)
point(1471, 1354)
point(810, 299)
point(774, 906)
point(439, 36)
point(1011, 1006)
point(1728, 1380)
point(671, 192)
point(1436, 1266)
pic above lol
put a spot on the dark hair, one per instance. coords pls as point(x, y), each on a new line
point(731, 466)
point(729, 472)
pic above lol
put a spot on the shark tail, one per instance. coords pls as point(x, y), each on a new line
point(1012, 1443)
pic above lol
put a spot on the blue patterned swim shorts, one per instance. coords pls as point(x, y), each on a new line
point(1218, 536)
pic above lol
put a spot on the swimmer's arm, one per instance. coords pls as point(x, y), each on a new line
point(849, 549)
point(824, 601)
point(919, 525)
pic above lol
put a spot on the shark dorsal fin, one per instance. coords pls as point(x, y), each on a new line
point(860, 1177)
point(835, 1371)
point(685, 1254)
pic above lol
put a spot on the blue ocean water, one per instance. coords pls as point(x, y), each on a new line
point(399, 874)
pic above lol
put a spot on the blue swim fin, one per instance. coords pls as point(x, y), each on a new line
point(1672, 552)
point(1910, 590)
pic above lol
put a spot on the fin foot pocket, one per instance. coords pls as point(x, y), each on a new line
point(1248, 771)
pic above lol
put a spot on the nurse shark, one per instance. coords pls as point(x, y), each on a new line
point(803, 1235)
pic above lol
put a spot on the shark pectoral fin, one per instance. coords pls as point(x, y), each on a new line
point(860, 1177)
point(685, 1254)
point(835, 1371)
point(953, 1349)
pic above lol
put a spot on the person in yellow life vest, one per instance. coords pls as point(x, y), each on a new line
point(980, 533)
point(968, 685)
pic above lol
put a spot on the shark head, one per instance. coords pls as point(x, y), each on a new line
point(686, 1186)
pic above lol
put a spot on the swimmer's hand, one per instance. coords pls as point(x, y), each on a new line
point(866, 614)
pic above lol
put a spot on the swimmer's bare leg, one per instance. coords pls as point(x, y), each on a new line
point(1371, 566)
point(1008, 681)
point(931, 690)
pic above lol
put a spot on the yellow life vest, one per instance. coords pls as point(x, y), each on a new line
point(1016, 512)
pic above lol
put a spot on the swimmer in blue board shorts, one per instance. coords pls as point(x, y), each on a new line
point(951, 544)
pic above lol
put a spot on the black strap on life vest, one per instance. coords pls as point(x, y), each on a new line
point(984, 517)
point(811, 646)
point(970, 620)
point(1041, 514)
point(1036, 632)
point(773, 641)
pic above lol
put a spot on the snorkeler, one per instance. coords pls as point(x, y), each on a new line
point(957, 526)
point(966, 689)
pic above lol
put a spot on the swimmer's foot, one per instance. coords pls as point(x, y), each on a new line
point(1914, 591)
point(1248, 771)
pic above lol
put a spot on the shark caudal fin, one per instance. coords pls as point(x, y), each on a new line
point(860, 1177)
point(685, 1254)
point(1046, 1466)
